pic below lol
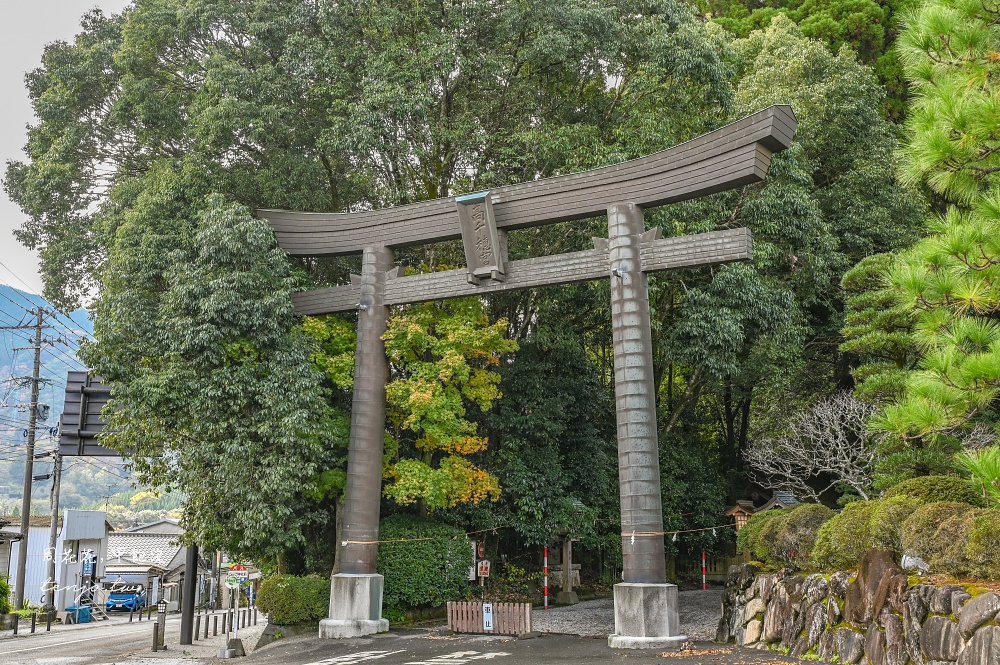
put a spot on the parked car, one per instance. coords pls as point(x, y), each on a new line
point(126, 597)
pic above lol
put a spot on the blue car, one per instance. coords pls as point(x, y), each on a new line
point(131, 597)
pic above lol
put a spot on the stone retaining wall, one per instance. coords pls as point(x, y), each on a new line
point(876, 618)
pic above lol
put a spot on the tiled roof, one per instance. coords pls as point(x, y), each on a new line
point(155, 548)
point(140, 527)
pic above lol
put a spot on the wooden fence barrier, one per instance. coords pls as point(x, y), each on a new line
point(508, 618)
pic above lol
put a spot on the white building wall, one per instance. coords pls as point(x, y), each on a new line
point(37, 567)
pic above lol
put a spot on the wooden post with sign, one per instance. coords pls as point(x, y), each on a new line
point(483, 570)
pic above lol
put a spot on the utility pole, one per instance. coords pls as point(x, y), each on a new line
point(54, 527)
point(22, 548)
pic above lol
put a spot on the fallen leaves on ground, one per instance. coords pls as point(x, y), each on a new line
point(687, 653)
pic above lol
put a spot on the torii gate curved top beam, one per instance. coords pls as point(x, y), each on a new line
point(731, 156)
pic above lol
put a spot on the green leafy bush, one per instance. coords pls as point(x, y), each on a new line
point(885, 522)
point(292, 600)
point(982, 550)
point(843, 540)
point(792, 535)
point(749, 538)
point(862, 526)
point(937, 533)
point(4, 596)
point(939, 488)
point(427, 567)
point(783, 537)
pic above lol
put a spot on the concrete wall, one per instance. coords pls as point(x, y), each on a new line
point(876, 617)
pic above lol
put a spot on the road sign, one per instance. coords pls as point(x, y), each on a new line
point(240, 571)
point(487, 613)
point(484, 568)
point(232, 581)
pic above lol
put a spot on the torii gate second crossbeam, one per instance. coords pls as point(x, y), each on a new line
point(729, 157)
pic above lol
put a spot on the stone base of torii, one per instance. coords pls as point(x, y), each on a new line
point(646, 613)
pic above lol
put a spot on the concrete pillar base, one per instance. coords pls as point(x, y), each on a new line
point(336, 629)
point(646, 617)
point(355, 607)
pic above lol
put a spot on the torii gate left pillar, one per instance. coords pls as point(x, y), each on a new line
point(356, 591)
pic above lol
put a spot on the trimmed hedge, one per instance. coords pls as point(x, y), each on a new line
point(843, 540)
point(931, 489)
point(982, 550)
point(938, 532)
point(783, 537)
point(428, 567)
point(885, 522)
point(749, 537)
point(293, 601)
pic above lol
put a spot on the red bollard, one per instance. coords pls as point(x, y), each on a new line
point(545, 581)
point(704, 573)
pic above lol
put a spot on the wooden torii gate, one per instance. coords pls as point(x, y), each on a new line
point(735, 155)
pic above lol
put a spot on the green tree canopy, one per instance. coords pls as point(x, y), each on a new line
point(213, 389)
point(941, 298)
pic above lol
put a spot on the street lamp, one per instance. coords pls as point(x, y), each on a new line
point(161, 624)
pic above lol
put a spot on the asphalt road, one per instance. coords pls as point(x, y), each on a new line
point(104, 643)
point(129, 644)
point(416, 647)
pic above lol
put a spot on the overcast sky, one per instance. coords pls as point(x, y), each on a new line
point(26, 27)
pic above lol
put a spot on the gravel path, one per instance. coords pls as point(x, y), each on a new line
point(700, 612)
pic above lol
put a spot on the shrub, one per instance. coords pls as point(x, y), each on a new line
point(749, 538)
point(939, 488)
point(292, 600)
point(429, 565)
point(4, 596)
point(937, 533)
point(843, 540)
point(783, 537)
point(982, 550)
point(791, 536)
point(862, 526)
point(885, 521)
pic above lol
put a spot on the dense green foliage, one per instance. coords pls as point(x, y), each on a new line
point(791, 536)
point(937, 533)
point(982, 549)
point(4, 595)
point(929, 489)
point(984, 467)
point(931, 352)
point(198, 376)
point(294, 601)
point(862, 526)
point(553, 443)
point(750, 537)
point(425, 563)
point(865, 26)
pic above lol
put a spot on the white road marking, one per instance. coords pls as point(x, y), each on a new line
point(459, 658)
point(85, 639)
point(359, 657)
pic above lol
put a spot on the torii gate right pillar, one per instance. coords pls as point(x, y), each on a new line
point(645, 605)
